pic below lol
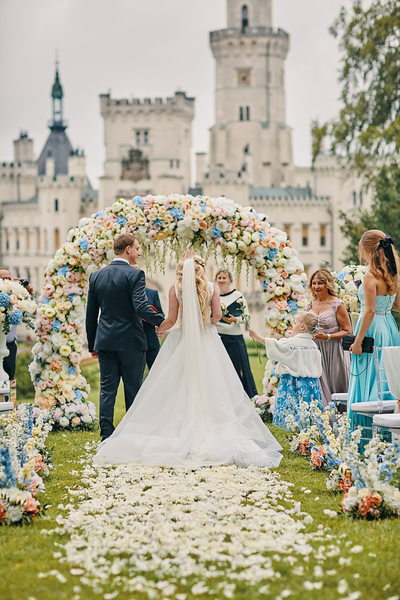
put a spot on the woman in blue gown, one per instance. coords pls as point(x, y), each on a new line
point(379, 295)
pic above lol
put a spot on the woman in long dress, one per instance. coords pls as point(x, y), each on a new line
point(333, 324)
point(379, 294)
point(191, 410)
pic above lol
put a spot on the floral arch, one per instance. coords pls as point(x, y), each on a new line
point(164, 225)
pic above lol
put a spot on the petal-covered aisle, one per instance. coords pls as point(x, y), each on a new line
point(182, 533)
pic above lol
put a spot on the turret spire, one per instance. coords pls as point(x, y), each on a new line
point(57, 95)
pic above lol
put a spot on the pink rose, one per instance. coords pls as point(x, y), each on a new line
point(74, 357)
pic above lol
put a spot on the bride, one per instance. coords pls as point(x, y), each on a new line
point(191, 410)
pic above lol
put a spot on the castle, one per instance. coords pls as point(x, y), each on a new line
point(148, 150)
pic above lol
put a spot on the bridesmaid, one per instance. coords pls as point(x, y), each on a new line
point(379, 294)
point(231, 334)
point(333, 324)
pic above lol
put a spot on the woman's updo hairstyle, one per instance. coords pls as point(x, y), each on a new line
point(378, 250)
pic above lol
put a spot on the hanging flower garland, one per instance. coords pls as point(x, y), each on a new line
point(165, 225)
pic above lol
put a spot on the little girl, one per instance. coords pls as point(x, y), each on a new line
point(298, 366)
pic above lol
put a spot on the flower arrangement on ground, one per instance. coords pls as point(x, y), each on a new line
point(369, 481)
point(165, 226)
point(263, 406)
point(23, 463)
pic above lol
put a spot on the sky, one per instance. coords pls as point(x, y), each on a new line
point(147, 48)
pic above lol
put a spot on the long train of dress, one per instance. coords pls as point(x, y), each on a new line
point(191, 411)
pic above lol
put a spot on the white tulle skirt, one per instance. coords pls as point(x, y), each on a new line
point(191, 411)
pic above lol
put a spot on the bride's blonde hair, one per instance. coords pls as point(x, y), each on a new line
point(203, 293)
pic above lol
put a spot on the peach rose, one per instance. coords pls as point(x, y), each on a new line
point(369, 505)
point(75, 421)
point(31, 506)
point(2, 513)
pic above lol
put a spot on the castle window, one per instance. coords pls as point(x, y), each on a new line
point(146, 137)
point(171, 164)
point(354, 198)
point(56, 238)
point(7, 240)
point(17, 240)
point(286, 229)
point(361, 198)
point(56, 205)
point(38, 239)
point(244, 77)
point(245, 17)
point(322, 235)
point(28, 239)
point(138, 138)
point(304, 235)
point(240, 113)
point(247, 113)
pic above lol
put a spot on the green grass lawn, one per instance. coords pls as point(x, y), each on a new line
point(27, 551)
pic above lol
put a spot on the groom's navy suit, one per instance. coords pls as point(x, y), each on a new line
point(118, 292)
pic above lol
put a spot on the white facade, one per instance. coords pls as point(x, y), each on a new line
point(41, 199)
point(147, 146)
point(250, 155)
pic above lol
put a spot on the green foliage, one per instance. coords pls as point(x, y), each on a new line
point(317, 135)
point(25, 389)
point(368, 125)
point(384, 213)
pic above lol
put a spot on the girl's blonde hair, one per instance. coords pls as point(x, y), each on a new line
point(374, 248)
point(309, 320)
point(326, 276)
point(202, 289)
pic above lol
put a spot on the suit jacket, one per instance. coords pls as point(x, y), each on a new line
point(118, 291)
point(149, 329)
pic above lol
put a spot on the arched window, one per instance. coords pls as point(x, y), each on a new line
point(245, 17)
point(56, 205)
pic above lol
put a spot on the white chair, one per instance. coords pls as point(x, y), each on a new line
point(340, 399)
point(6, 407)
point(391, 422)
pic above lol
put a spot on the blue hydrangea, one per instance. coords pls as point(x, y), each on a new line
point(4, 299)
point(199, 197)
point(63, 271)
point(45, 300)
point(158, 222)
point(272, 253)
point(78, 394)
point(138, 200)
point(121, 221)
point(56, 325)
point(265, 285)
point(262, 235)
point(176, 212)
point(71, 297)
point(99, 214)
point(341, 275)
point(216, 232)
point(71, 370)
point(292, 305)
point(203, 206)
point(16, 317)
point(84, 244)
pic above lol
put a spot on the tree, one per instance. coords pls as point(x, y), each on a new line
point(368, 126)
point(384, 213)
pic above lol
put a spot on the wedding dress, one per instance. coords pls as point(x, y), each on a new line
point(191, 410)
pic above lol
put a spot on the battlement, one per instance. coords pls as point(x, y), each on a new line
point(249, 32)
point(177, 102)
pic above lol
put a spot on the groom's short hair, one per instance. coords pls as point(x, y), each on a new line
point(123, 241)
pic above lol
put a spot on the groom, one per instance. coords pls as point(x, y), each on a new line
point(117, 337)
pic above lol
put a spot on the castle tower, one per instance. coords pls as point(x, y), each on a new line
point(250, 140)
point(57, 147)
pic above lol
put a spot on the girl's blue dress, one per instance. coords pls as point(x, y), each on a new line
point(362, 386)
point(291, 390)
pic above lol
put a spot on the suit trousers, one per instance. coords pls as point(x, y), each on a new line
point(114, 365)
point(151, 355)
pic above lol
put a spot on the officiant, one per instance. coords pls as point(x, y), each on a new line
point(234, 314)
